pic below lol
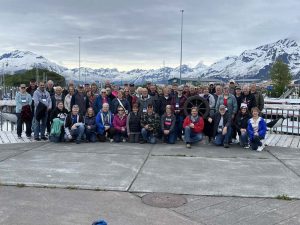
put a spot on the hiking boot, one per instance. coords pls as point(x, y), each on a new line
point(44, 138)
point(37, 139)
point(142, 142)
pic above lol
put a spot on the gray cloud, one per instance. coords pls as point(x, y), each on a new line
point(141, 33)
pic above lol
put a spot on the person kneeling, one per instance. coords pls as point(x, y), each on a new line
point(90, 125)
point(74, 126)
point(257, 129)
point(222, 127)
point(104, 123)
point(168, 121)
point(119, 123)
point(150, 123)
point(241, 123)
point(193, 126)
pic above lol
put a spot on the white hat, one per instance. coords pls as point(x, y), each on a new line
point(244, 105)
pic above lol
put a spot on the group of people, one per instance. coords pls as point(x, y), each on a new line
point(141, 114)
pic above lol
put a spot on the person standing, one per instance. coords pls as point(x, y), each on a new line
point(80, 99)
point(23, 111)
point(259, 99)
point(68, 98)
point(42, 104)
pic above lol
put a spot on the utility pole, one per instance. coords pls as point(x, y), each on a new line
point(181, 45)
point(79, 59)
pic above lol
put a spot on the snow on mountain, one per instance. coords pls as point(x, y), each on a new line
point(24, 60)
point(254, 63)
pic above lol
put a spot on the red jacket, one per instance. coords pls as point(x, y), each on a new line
point(199, 126)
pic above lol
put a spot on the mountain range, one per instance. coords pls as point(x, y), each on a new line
point(254, 63)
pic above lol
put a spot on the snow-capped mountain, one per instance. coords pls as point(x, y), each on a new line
point(17, 61)
point(254, 63)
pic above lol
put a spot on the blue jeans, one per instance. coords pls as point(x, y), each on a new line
point(90, 135)
point(190, 136)
point(78, 132)
point(40, 126)
point(221, 139)
point(244, 139)
point(170, 138)
point(148, 136)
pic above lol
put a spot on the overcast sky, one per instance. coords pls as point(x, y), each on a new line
point(128, 34)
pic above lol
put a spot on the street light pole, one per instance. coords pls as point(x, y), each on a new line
point(181, 46)
point(79, 59)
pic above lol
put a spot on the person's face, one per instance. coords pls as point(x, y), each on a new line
point(121, 111)
point(22, 88)
point(126, 91)
point(179, 91)
point(71, 91)
point(243, 110)
point(194, 112)
point(206, 91)
point(168, 110)
point(166, 91)
point(150, 109)
point(120, 94)
point(145, 93)
point(42, 86)
point(32, 84)
point(192, 90)
point(135, 109)
point(90, 112)
point(49, 85)
point(246, 90)
point(231, 84)
point(108, 91)
point(186, 89)
point(238, 91)
point(218, 90)
point(132, 88)
point(75, 110)
point(60, 105)
point(103, 93)
point(105, 108)
point(255, 113)
point(222, 111)
point(226, 91)
point(253, 88)
point(80, 89)
point(152, 88)
point(94, 88)
point(175, 87)
point(58, 91)
point(89, 93)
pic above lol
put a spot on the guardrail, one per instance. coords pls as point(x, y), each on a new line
point(291, 119)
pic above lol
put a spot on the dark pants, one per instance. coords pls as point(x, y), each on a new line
point(256, 142)
point(208, 128)
point(221, 139)
point(109, 133)
point(170, 138)
point(119, 135)
point(57, 138)
point(20, 123)
point(134, 138)
point(178, 125)
point(90, 135)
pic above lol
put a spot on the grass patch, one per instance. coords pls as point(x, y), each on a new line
point(284, 197)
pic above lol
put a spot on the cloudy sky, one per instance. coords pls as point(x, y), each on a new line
point(128, 34)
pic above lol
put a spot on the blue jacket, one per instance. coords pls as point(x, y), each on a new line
point(262, 128)
point(99, 102)
point(99, 123)
point(21, 100)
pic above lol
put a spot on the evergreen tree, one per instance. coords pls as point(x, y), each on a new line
point(280, 76)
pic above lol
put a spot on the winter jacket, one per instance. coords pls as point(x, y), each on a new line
point(259, 100)
point(21, 100)
point(69, 123)
point(67, 102)
point(81, 100)
point(199, 124)
point(211, 102)
point(119, 122)
point(226, 121)
point(144, 102)
point(115, 104)
point(231, 104)
point(100, 126)
point(262, 128)
point(152, 120)
point(162, 103)
point(241, 121)
point(90, 121)
point(133, 123)
point(168, 122)
point(55, 98)
point(99, 103)
point(249, 100)
point(43, 97)
point(57, 113)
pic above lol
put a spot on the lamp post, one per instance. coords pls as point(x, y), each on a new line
point(181, 46)
point(79, 58)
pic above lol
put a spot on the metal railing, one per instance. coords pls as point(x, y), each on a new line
point(291, 119)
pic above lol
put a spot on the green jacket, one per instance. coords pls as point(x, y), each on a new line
point(56, 127)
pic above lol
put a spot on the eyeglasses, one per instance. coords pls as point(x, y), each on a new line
point(23, 87)
point(120, 110)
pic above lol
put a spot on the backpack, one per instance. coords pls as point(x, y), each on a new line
point(26, 114)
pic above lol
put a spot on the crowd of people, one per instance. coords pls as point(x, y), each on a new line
point(141, 114)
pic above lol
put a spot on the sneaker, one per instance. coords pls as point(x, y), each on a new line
point(188, 145)
point(246, 146)
point(124, 140)
point(111, 140)
point(28, 136)
point(226, 145)
point(142, 142)
point(37, 139)
point(260, 148)
point(235, 141)
point(19, 136)
point(44, 138)
point(78, 141)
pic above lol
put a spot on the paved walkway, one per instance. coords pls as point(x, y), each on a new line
point(246, 179)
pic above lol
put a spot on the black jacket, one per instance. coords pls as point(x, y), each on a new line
point(41, 111)
point(216, 119)
point(249, 100)
point(241, 121)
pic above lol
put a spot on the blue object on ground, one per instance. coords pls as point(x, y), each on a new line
point(100, 222)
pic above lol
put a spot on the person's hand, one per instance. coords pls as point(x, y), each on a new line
point(177, 111)
point(88, 127)
point(209, 120)
point(69, 136)
point(256, 133)
point(243, 130)
point(123, 129)
point(166, 132)
point(107, 127)
point(147, 127)
point(224, 132)
point(192, 125)
point(73, 127)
